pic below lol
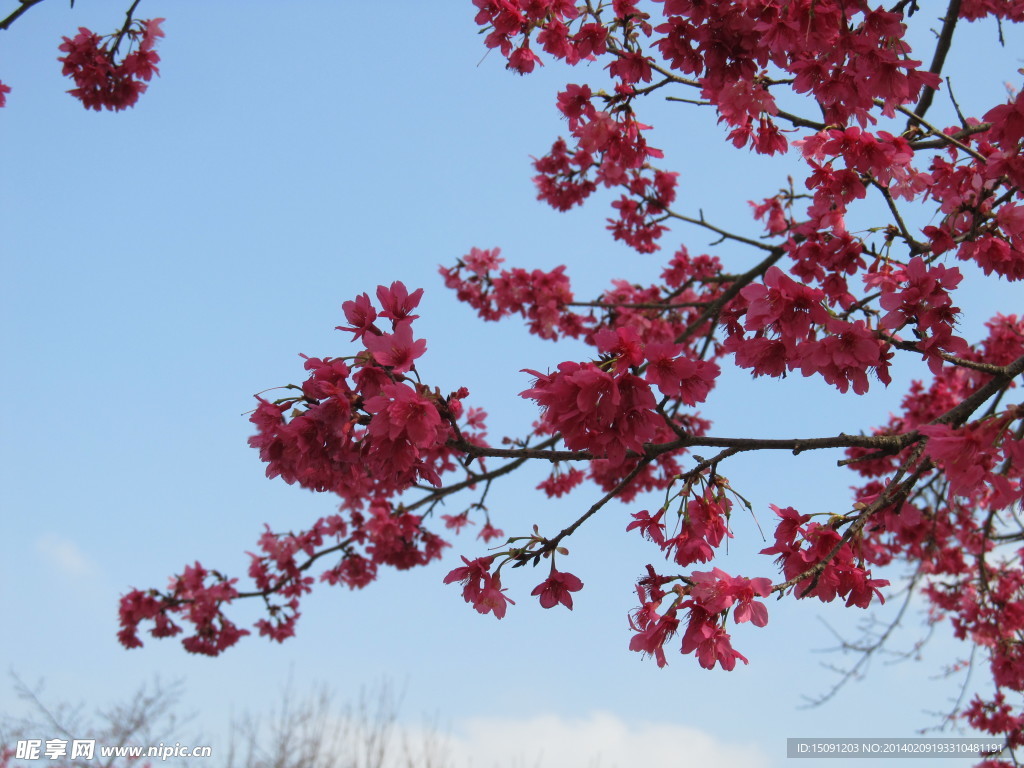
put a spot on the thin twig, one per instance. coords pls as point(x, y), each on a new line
point(949, 139)
point(124, 29)
point(915, 246)
point(867, 651)
point(701, 222)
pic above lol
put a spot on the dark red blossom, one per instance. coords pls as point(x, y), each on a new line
point(652, 630)
point(717, 591)
point(557, 589)
point(709, 641)
point(397, 302)
point(361, 314)
point(480, 587)
point(397, 350)
point(678, 376)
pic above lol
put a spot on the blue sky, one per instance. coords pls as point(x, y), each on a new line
point(163, 264)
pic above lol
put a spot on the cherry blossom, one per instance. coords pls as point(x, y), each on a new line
point(557, 589)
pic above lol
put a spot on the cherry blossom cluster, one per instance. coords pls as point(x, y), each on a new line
point(610, 150)
point(708, 597)
point(483, 590)
point(608, 411)
point(700, 526)
point(540, 297)
point(792, 328)
point(362, 427)
point(102, 80)
point(197, 601)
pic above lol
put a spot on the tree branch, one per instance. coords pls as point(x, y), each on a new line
point(890, 443)
point(938, 60)
point(715, 307)
point(16, 14)
point(959, 413)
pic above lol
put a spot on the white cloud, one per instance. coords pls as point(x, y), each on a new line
point(598, 740)
point(65, 556)
point(365, 736)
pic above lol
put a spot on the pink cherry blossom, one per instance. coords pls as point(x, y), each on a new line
point(557, 589)
point(397, 350)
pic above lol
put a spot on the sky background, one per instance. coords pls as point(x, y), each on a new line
point(162, 265)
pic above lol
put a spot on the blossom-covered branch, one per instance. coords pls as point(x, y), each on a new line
point(941, 476)
point(103, 80)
